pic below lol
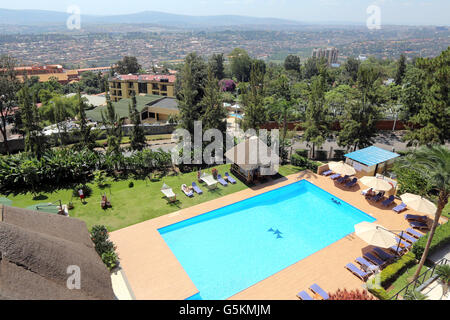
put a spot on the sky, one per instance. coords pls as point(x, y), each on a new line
point(410, 12)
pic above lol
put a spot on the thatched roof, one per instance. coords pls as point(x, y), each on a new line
point(36, 248)
point(247, 154)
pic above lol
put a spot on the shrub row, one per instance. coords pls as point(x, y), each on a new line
point(303, 162)
point(396, 269)
point(105, 248)
point(441, 238)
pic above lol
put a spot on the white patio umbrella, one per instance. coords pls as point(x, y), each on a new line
point(376, 183)
point(419, 204)
point(375, 235)
point(342, 168)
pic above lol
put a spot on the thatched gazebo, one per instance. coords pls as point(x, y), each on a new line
point(36, 249)
point(252, 159)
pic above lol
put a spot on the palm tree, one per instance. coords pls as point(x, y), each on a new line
point(433, 163)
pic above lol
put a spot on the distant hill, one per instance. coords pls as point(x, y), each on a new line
point(41, 18)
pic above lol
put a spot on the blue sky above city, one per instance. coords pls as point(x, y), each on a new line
point(412, 12)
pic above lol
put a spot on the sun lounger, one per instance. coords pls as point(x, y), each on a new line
point(378, 197)
point(372, 258)
point(401, 207)
point(398, 250)
point(210, 181)
point(408, 238)
point(303, 295)
point(352, 183)
point(365, 264)
point(197, 188)
point(343, 179)
point(418, 225)
point(335, 176)
point(383, 254)
point(411, 217)
point(414, 233)
point(357, 272)
point(187, 192)
point(327, 173)
point(388, 201)
point(168, 193)
point(319, 291)
point(230, 178)
point(221, 180)
point(404, 244)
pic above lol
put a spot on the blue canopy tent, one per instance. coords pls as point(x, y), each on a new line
point(371, 159)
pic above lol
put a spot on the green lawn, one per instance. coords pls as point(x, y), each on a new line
point(133, 205)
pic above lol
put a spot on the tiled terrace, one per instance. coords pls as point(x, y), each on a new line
point(154, 272)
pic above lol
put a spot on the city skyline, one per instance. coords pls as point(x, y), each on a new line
point(399, 12)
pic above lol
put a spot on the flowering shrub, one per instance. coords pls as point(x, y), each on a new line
point(227, 85)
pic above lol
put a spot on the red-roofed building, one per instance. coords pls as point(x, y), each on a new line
point(123, 86)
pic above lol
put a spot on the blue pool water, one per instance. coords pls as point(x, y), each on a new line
point(230, 249)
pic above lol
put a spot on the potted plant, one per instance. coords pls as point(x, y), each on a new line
point(444, 275)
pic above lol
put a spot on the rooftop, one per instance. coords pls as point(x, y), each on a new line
point(372, 156)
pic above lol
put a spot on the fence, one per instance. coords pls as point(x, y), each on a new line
point(422, 281)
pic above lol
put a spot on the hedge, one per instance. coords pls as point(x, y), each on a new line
point(298, 161)
point(441, 238)
point(321, 155)
point(302, 152)
point(391, 273)
point(396, 269)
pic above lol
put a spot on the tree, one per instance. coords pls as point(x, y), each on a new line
point(252, 96)
point(316, 124)
point(87, 138)
point(358, 123)
point(216, 64)
point(311, 68)
point(401, 69)
point(241, 65)
point(113, 129)
point(433, 163)
point(215, 114)
point(198, 71)
point(412, 91)
point(34, 141)
point(432, 118)
point(189, 112)
point(138, 141)
point(292, 63)
point(351, 68)
point(8, 88)
point(127, 65)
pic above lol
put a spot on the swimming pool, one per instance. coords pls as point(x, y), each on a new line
point(230, 249)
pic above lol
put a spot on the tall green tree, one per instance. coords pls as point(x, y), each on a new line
point(127, 65)
point(138, 141)
point(241, 65)
point(401, 69)
point(8, 88)
point(412, 95)
point(292, 63)
point(316, 125)
point(198, 71)
point(34, 140)
point(86, 134)
point(431, 125)
point(358, 123)
point(113, 125)
point(216, 64)
point(351, 68)
point(215, 114)
point(433, 163)
point(189, 111)
point(252, 97)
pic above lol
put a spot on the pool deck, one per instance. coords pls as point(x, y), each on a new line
point(154, 273)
